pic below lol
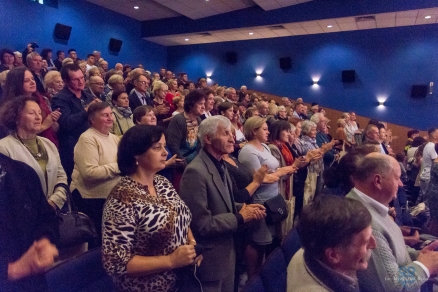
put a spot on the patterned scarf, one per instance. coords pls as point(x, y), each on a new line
point(125, 112)
point(289, 160)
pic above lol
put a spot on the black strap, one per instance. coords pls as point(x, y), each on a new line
point(71, 207)
point(117, 120)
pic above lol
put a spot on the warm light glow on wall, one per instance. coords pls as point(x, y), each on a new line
point(381, 99)
point(259, 74)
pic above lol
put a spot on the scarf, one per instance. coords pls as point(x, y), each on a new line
point(289, 160)
point(125, 112)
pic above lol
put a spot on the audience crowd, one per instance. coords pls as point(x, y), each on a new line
point(162, 164)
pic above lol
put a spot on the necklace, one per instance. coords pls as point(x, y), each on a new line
point(37, 155)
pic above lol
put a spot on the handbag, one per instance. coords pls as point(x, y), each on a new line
point(276, 209)
point(288, 223)
point(310, 187)
point(74, 227)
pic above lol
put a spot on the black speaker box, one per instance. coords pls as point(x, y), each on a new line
point(418, 91)
point(62, 31)
point(348, 76)
point(115, 45)
point(231, 57)
point(285, 63)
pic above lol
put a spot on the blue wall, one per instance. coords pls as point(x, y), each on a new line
point(22, 21)
point(387, 63)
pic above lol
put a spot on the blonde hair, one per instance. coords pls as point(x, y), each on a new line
point(157, 85)
point(252, 124)
point(50, 77)
point(272, 109)
point(94, 71)
point(177, 99)
point(116, 78)
point(67, 61)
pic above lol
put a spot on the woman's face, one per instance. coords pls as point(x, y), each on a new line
point(312, 132)
point(284, 136)
point(44, 63)
point(174, 85)
point(154, 159)
point(262, 133)
point(149, 119)
point(256, 101)
point(8, 59)
point(282, 114)
point(103, 120)
point(181, 103)
point(161, 93)
point(236, 117)
point(123, 100)
point(58, 84)
point(191, 86)
point(118, 87)
point(298, 129)
point(292, 136)
point(247, 98)
point(229, 113)
point(29, 84)
point(199, 108)
point(30, 118)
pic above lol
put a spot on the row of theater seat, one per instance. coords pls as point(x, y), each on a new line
point(85, 273)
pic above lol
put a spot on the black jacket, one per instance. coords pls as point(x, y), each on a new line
point(25, 216)
point(135, 102)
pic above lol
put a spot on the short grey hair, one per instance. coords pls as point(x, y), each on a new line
point(316, 117)
point(31, 55)
point(344, 115)
point(281, 108)
point(243, 87)
point(371, 164)
point(306, 126)
point(96, 52)
point(209, 126)
point(228, 90)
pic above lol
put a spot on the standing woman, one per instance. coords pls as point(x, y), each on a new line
point(161, 106)
point(122, 113)
point(22, 116)
point(146, 234)
point(95, 155)
point(253, 155)
point(7, 59)
point(20, 81)
point(172, 93)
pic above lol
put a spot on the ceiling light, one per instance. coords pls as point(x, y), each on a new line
point(135, 7)
point(329, 26)
point(186, 40)
point(427, 17)
point(251, 33)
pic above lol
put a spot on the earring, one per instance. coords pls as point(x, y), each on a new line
point(136, 162)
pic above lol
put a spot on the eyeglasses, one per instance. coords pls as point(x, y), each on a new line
point(143, 82)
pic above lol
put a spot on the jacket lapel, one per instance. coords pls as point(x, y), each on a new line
point(217, 180)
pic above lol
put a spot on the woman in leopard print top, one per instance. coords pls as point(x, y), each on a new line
point(145, 229)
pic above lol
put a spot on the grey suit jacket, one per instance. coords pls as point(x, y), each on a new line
point(214, 220)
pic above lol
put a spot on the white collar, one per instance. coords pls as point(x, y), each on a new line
point(379, 207)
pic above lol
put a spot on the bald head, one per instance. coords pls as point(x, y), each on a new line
point(263, 108)
point(119, 66)
point(378, 176)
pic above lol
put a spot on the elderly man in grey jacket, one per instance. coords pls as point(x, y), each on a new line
point(206, 188)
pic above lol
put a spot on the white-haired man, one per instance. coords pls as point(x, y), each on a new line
point(393, 266)
point(206, 188)
point(231, 95)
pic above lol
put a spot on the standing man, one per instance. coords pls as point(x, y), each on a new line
point(60, 56)
point(90, 62)
point(73, 104)
point(206, 188)
point(34, 62)
point(139, 96)
point(429, 156)
point(72, 55)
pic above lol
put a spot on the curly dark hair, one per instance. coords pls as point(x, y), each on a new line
point(192, 98)
point(11, 109)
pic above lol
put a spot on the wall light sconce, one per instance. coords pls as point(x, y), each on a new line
point(381, 103)
point(315, 82)
point(208, 76)
point(258, 74)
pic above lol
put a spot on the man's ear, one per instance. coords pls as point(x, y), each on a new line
point(377, 181)
point(332, 256)
point(208, 139)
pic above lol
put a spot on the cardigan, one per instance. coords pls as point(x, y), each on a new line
point(121, 124)
point(25, 216)
point(96, 171)
point(14, 149)
point(390, 267)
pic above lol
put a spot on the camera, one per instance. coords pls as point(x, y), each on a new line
point(34, 45)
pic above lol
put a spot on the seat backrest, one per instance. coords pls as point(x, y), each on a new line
point(84, 273)
point(255, 284)
point(274, 272)
point(290, 245)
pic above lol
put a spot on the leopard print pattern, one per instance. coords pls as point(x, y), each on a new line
point(136, 223)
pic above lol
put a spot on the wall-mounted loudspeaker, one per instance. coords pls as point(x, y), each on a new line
point(115, 45)
point(285, 63)
point(348, 76)
point(231, 57)
point(62, 31)
point(418, 91)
